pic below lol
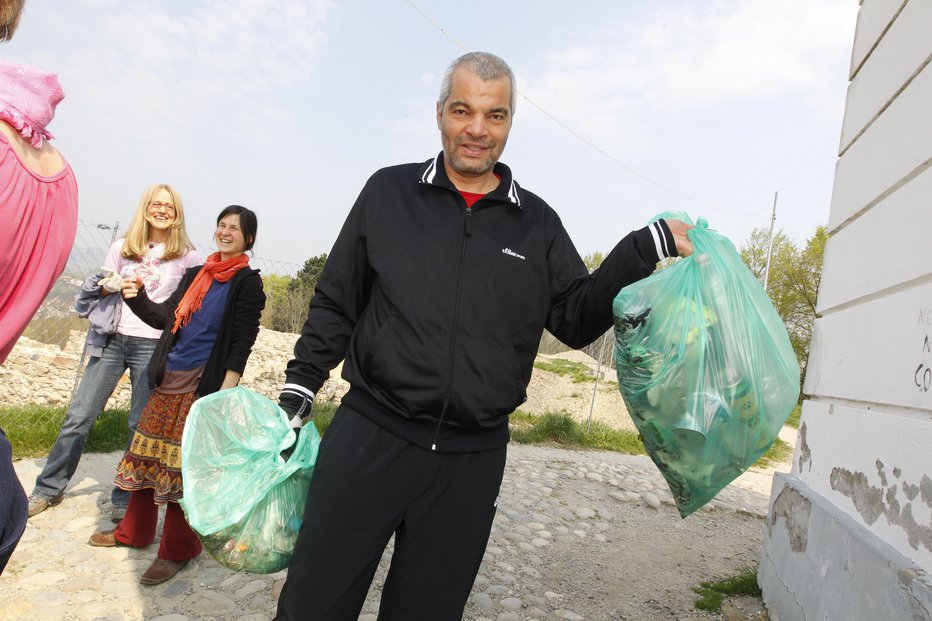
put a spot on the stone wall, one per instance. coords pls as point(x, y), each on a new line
point(37, 373)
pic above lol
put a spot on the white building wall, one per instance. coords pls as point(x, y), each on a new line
point(849, 534)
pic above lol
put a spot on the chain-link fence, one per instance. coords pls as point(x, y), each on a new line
point(46, 365)
point(599, 360)
point(56, 320)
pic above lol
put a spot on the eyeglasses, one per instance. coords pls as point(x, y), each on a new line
point(156, 205)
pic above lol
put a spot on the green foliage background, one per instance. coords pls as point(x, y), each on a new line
point(287, 297)
point(792, 282)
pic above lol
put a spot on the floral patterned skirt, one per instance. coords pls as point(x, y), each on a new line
point(154, 458)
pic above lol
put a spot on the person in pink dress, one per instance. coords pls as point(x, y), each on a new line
point(38, 198)
point(16, 155)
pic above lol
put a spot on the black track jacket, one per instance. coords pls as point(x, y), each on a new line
point(439, 309)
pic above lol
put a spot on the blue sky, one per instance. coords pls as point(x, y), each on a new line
point(705, 106)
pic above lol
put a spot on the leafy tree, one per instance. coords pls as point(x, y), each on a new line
point(793, 282)
point(593, 260)
point(754, 252)
point(801, 280)
point(276, 289)
point(283, 311)
point(287, 298)
point(306, 278)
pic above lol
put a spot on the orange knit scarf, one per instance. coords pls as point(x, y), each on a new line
point(213, 269)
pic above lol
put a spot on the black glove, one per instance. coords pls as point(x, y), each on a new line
point(286, 454)
point(298, 403)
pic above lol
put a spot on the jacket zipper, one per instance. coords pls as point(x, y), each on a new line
point(467, 231)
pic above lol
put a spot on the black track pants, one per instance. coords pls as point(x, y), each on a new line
point(369, 484)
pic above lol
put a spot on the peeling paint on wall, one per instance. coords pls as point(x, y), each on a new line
point(925, 489)
point(794, 508)
point(871, 502)
point(868, 500)
point(804, 453)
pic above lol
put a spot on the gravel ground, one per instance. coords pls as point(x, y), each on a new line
point(579, 535)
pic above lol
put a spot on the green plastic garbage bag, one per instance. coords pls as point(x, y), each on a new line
point(244, 501)
point(705, 367)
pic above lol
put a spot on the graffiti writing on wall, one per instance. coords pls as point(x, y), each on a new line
point(923, 374)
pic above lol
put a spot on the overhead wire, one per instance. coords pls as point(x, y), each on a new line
point(579, 136)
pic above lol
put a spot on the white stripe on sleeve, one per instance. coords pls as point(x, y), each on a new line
point(298, 388)
point(657, 234)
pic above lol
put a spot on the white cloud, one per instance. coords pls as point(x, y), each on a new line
point(693, 57)
point(287, 106)
point(206, 96)
point(230, 66)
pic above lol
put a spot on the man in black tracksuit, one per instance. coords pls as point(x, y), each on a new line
point(436, 294)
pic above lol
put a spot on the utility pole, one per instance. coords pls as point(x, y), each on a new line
point(773, 219)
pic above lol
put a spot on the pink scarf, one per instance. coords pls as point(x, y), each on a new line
point(28, 98)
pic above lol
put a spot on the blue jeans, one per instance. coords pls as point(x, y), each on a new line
point(98, 383)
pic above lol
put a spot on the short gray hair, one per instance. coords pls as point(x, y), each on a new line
point(486, 66)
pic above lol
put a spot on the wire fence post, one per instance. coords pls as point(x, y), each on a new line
point(598, 374)
point(82, 361)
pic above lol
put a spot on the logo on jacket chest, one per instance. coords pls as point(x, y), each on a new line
point(512, 253)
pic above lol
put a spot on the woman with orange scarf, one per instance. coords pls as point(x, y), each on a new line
point(210, 324)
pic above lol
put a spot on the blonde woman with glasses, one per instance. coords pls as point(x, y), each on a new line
point(157, 250)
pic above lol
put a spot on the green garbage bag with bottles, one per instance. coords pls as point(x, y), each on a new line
point(705, 367)
point(242, 498)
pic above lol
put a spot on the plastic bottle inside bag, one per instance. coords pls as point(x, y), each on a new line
point(723, 392)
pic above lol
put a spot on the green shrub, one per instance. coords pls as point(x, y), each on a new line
point(560, 428)
point(744, 583)
point(577, 371)
point(777, 453)
point(32, 430)
point(323, 414)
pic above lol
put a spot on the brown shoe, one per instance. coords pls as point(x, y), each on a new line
point(104, 539)
point(161, 570)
